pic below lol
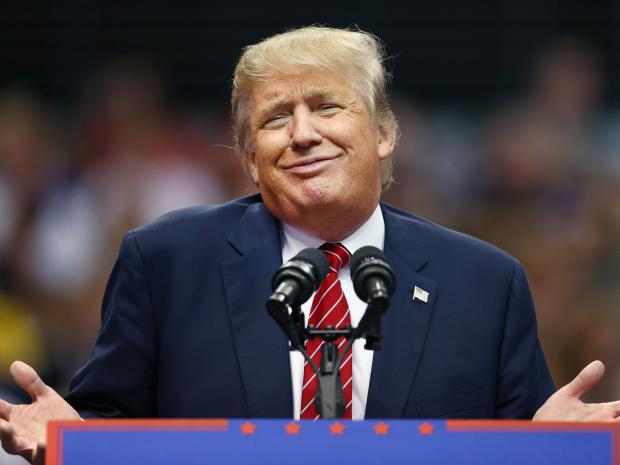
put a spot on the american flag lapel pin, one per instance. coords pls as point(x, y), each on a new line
point(420, 294)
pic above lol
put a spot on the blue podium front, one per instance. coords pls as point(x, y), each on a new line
point(285, 442)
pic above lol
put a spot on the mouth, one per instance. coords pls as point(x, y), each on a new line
point(311, 166)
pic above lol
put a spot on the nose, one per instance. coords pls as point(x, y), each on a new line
point(304, 130)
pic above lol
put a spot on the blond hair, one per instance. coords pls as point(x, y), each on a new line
point(357, 53)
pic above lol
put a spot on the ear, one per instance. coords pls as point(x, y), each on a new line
point(250, 163)
point(386, 140)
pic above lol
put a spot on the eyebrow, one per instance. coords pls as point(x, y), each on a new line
point(280, 102)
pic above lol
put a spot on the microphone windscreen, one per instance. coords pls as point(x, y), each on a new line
point(369, 266)
point(362, 254)
point(317, 259)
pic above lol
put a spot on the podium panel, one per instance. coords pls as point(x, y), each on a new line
point(285, 442)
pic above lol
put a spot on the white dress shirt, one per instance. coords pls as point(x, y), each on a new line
point(372, 232)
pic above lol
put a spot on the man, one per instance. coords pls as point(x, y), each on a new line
point(184, 332)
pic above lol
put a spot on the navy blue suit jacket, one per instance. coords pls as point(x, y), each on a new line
point(185, 332)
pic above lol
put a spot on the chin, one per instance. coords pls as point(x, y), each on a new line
point(317, 196)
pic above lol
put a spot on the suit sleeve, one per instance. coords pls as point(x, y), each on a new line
point(120, 377)
point(524, 382)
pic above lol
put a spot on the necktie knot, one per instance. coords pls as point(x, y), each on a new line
point(337, 255)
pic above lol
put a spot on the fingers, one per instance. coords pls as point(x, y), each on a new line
point(614, 409)
point(585, 380)
point(28, 379)
point(5, 410)
point(7, 436)
point(11, 444)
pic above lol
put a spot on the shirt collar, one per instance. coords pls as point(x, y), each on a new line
point(372, 232)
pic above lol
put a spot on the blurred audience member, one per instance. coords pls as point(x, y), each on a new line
point(27, 169)
point(547, 199)
point(143, 159)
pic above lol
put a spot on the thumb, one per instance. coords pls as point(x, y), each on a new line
point(585, 380)
point(28, 379)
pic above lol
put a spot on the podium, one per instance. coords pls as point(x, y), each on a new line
point(286, 442)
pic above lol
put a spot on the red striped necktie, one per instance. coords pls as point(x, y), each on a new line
point(329, 307)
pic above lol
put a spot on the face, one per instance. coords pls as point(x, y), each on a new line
point(316, 152)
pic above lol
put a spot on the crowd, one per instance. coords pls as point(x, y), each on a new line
point(537, 175)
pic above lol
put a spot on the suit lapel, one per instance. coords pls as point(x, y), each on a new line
point(405, 324)
point(262, 348)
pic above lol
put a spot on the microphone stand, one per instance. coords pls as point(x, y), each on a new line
point(329, 400)
point(373, 281)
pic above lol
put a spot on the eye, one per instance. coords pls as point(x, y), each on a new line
point(275, 121)
point(329, 109)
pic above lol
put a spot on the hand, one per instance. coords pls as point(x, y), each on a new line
point(23, 428)
point(566, 405)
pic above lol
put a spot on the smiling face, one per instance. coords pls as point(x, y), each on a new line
point(316, 152)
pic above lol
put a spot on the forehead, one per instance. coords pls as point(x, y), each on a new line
point(312, 83)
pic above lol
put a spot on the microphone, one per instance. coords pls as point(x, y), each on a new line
point(292, 284)
point(374, 282)
point(373, 278)
point(295, 281)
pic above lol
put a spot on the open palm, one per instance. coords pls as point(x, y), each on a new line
point(23, 428)
point(566, 403)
